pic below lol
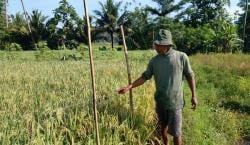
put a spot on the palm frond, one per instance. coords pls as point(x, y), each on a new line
point(152, 11)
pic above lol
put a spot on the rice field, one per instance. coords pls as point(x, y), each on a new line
point(48, 101)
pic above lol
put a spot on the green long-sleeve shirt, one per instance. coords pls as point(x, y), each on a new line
point(169, 71)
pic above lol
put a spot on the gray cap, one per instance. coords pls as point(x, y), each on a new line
point(164, 37)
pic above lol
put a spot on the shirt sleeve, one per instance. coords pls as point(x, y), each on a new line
point(187, 70)
point(146, 75)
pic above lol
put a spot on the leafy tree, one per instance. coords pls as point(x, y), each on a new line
point(2, 23)
point(192, 40)
point(63, 26)
point(201, 12)
point(108, 17)
point(1, 9)
point(141, 30)
point(1, 13)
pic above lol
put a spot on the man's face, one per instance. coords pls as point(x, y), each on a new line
point(162, 49)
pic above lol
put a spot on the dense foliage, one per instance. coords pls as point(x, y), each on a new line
point(197, 25)
point(241, 22)
point(202, 12)
point(2, 24)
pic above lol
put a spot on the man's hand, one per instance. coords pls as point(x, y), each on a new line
point(194, 102)
point(136, 83)
point(123, 90)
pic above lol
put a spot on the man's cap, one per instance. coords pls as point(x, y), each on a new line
point(164, 37)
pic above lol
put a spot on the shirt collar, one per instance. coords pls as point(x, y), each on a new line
point(170, 51)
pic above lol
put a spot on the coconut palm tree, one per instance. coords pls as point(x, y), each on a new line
point(18, 31)
point(165, 7)
point(18, 23)
point(37, 22)
point(108, 17)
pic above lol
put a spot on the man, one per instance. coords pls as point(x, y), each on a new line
point(169, 68)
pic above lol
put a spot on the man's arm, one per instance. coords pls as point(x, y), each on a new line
point(191, 83)
point(146, 75)
point(136, 83)
point(188, 72)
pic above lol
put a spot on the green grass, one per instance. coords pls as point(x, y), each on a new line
point(48, 101)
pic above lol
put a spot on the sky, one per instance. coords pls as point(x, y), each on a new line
point(47, 6)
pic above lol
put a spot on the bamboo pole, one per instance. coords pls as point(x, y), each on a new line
point(128, 69)
point(28, 22)
point(92, 73)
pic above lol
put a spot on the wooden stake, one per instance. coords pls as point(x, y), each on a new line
point(28, 22)
point(128, 69)
point(92, 73)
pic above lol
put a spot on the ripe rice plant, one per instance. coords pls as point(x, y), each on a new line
point(49, 101)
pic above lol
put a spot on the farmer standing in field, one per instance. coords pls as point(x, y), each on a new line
point(169, 68)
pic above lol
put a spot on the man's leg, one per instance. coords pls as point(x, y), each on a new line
point(178, 140)
point(163, 124)
point(164, 134)
point(175, 126)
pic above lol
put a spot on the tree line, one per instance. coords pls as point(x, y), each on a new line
point(197, 26)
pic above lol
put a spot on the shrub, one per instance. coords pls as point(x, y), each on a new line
point(14, 47)
point(103, 48)
point(72, 44)
point(119, 49)
point(42, 46)
point(43, 51)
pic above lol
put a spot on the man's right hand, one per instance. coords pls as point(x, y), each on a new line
point(135, 84)
point(123, 90)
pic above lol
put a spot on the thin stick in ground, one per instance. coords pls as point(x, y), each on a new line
point(128, 69)
point(92, 73)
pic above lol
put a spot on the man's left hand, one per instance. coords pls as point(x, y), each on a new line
point(194, 102)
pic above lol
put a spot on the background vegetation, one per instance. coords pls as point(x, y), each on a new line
point(198, 26)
